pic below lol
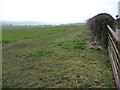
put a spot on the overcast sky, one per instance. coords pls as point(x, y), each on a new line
point(55, 11)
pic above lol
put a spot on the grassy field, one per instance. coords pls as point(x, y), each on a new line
point(53, 57)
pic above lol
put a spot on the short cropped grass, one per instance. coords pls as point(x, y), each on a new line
point(53, 57)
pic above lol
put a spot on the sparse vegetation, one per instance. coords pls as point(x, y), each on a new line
point(53, 57)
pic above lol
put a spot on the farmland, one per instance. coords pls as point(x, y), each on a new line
point(52, 57)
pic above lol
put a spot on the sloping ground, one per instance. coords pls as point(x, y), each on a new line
point(53, 57)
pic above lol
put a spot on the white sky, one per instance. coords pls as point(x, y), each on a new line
point(55, 11)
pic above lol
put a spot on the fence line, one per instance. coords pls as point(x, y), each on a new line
point(113, 34)
point(114, 55)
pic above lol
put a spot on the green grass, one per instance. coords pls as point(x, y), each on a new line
point(118, 27)
point(53, 57)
